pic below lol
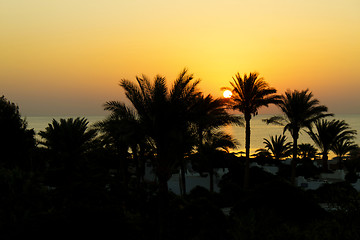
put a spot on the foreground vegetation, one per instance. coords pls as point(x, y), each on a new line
point(88, 181)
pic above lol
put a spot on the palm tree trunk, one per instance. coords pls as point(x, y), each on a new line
point(136, 158)
point(183, 180)
point(123, 164)
point(163, 174)
point(325, 158)
point(294, 160)
point(340, 163)
point(247, 151)
point(211, 173)
point(142, 163)
point(163, 207)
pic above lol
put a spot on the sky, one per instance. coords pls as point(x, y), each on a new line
point(66, 57)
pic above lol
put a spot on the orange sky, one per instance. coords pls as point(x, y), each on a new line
point(63, 57)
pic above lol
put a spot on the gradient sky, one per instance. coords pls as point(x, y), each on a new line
point(66, 57)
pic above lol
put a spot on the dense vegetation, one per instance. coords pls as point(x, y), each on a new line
point(88, 181)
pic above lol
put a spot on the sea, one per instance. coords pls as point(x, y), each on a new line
point(259, 129)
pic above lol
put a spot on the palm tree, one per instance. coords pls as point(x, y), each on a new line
point(164, 116)
point(68, 142)
point(327, 134)
point(262, 153)
point(343, 147)
point(123, 131)
point(210, 114)
point(68, 137)
point(300, 110)
point(248, 95)
point(278, 146)
point(215, 146)
point(306, 150)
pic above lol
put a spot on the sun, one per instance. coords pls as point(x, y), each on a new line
point(227, 94)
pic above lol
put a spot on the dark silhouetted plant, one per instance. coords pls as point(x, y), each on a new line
point(342, 148)
point(249, 94)
point(329, 133)
point(306, 150)
point(164, 116)
point(300, 111)
point(278, 146)
point(209, 115)
point(16, 141)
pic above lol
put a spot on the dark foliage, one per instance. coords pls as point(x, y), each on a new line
point(16, 141)
point(69, 189)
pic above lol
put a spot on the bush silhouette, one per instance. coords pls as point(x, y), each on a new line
point(16, 142)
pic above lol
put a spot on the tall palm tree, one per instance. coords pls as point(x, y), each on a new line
point(327, 134)
point(278, 146)
point(300, 111)
point(342, 148)
point(164, 116)
point(249, 94)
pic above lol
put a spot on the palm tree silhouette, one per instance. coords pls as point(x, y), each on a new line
point(248, 95)
point(122, 131)
point(214, 147)
point(342, 148)
point(68, 142)
point(164, 116)
point(68, 137)
point(278, 146)
point(209, 115)
point(306, 150)
point(328, 134)
point(300, 110)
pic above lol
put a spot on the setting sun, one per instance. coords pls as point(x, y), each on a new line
point(227, 94)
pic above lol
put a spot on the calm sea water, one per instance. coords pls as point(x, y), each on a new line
point(259, 129)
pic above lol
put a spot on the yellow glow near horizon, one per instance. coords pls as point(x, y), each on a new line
point(72, 54)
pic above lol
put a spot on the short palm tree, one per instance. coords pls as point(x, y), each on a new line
point(306, 150)
point(68, 137)
point(327, 134)
point(209, 115)
point(249, 94)
point(278, 146)
point(68, 141)
point(214, 147)
point(262, 153)
point(122, 131)
point(300, 110)
point(342, 148)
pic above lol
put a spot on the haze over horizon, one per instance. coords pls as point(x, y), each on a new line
point(67, 57)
